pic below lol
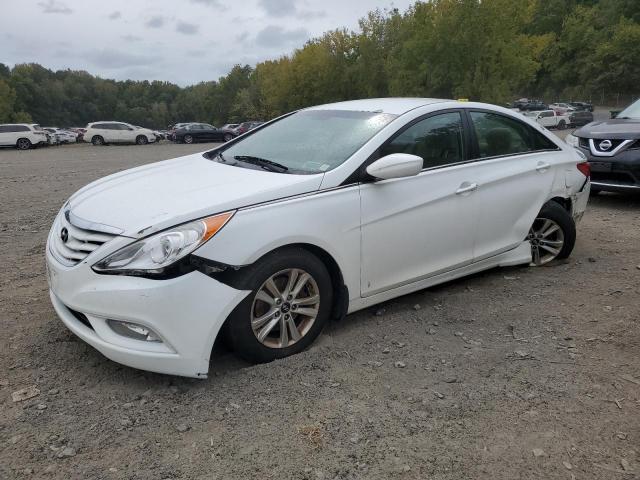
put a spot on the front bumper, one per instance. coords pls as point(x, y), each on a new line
point(186, 312)
point(619, 173)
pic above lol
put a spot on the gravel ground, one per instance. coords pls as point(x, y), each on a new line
point(513, 373)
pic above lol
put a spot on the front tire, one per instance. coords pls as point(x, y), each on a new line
point(97, 140)
point(23, 144)
point(187, 139)
point(141, 140)
point(289, 304)
point(552, 235)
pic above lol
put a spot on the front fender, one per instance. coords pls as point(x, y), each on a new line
point(329, 220)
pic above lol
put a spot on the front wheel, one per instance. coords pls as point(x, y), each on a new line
point(97, 140)
point(552, 235)
point(289, 304)
point(141, 140)
point(227, 137)
point(188, 139)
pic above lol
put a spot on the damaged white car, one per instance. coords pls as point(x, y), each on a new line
point(316, 214)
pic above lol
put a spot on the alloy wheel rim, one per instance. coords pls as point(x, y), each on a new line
point(546, 239)
point(188, 139)
point(285, 308)
point(23, 144)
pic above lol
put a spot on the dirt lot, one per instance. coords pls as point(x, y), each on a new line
point(514, 373)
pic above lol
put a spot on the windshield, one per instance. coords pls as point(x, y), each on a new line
point(632, 111)
point(310, 141)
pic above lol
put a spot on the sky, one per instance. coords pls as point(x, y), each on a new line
point(181, 41)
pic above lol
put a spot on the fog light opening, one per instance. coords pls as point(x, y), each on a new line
point(135, 331)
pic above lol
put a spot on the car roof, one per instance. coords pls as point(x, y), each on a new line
point(396, 106)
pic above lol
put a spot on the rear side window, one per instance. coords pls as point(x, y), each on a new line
point(437, 139)
point(21, 128)
point(500, 135)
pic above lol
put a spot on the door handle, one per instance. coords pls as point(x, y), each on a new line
point(543, 167)
point(466, 187)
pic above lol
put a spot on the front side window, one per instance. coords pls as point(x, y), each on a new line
point(437, 139)
point(501, 135)
point(309, 141)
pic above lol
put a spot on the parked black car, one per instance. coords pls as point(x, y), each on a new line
point(530, 105)
point(582, 106)
point(203, 132)
point(580, 118)
point(612, 148)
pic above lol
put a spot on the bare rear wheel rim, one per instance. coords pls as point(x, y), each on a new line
point(23, 144)
point(547, 239)
point(285, 308)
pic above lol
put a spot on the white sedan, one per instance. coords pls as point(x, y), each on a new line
point(314, 215)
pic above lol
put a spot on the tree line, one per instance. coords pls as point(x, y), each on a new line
point(485, 50)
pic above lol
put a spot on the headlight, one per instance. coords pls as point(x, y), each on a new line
point(153, 254)
point(572, 140)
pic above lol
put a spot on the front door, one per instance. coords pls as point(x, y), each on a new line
point(416, 227)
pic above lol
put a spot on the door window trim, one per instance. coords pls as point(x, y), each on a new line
point(361, 176)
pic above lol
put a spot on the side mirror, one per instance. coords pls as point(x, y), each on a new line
point(396, 165)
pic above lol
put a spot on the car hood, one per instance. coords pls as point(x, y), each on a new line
point(616, 128)
point(150, 198)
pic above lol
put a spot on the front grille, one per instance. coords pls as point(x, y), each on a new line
point(615, 143)
point(71, 244)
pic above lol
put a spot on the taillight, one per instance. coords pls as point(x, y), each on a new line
point(584, 168)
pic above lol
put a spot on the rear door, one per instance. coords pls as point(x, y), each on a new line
point(514, 168)
point(108, 131)
point(416, 227)
point(5, 135)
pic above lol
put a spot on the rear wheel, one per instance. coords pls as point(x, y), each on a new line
point(142, 140)
point(552, 235)
point(562, 125)
point(23, 144)
point(97, 140)
point(188, 139)
point(289, 304)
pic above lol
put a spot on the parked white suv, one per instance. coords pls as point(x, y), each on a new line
point(101, 133)
point(22, 135)
point(325, 211)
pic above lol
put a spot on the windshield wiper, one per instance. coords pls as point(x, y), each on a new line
point(262, 162)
